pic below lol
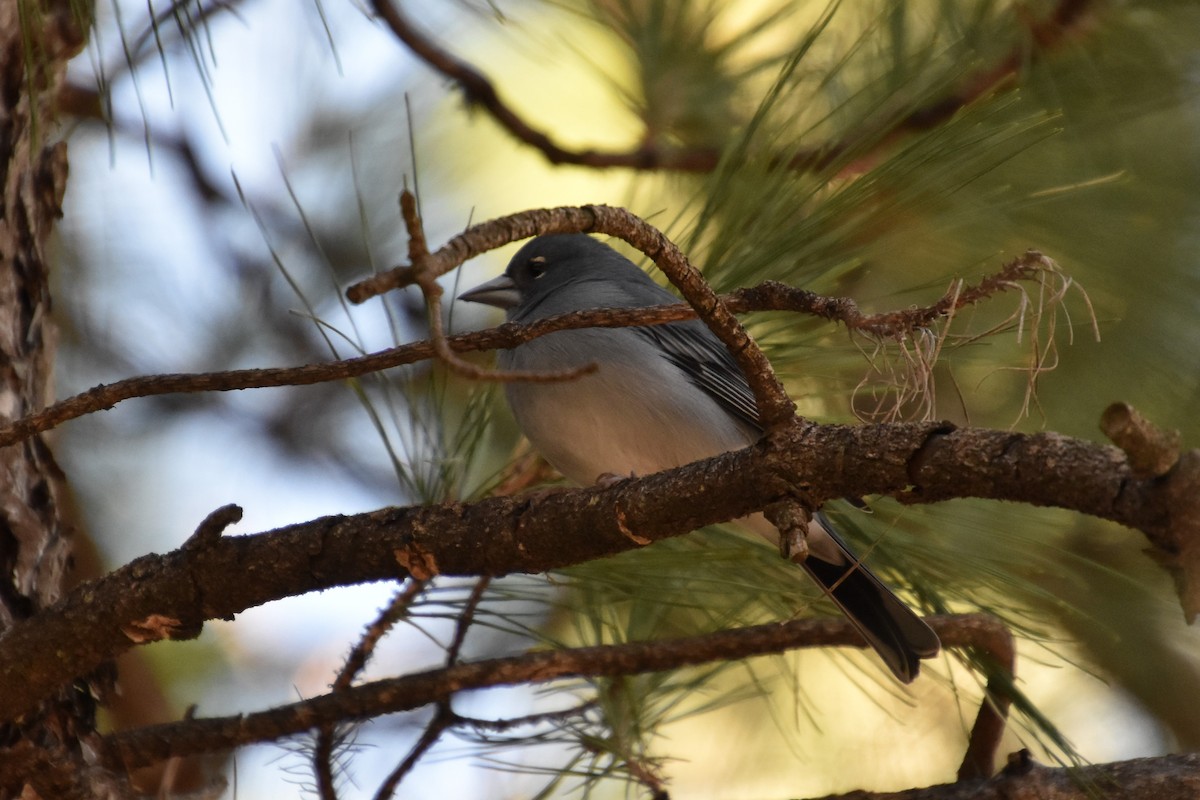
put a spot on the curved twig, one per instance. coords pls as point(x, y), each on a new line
point(774, 405)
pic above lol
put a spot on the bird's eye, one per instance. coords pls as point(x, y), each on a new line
point(537, 266)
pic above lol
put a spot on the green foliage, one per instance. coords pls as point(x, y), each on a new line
point(888, 212)
point(880, 210)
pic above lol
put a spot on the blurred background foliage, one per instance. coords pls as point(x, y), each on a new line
point(236, 164)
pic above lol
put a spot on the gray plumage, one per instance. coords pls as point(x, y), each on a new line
point(662, 396)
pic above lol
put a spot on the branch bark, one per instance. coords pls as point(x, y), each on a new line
point(36, 41)
point(1174, 777)
point(171, 596)
point(191, 736)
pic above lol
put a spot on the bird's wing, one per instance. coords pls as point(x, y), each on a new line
point(693, 348)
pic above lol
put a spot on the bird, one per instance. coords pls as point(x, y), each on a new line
point(660, 396)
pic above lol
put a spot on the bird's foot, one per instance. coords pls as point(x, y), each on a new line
point(607, 480)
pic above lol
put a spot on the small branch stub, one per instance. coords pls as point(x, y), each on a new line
point(210, 530)
point(1152, 451)
point(792, 520)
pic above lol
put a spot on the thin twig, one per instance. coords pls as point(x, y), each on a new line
point(774, 406)
point(769, 296)
point(442, 719)
point(989, 636)
point(444, 716)
point(505, 725)
point(396, 610)
point(465, 619)
point(322, 761)
point(327, 734)
point(425, 278)
point(154, 743)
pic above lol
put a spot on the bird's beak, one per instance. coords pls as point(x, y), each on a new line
point(500, 292)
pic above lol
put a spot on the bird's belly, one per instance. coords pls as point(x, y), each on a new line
point(620, 421)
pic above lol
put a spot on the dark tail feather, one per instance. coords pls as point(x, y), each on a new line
point(900, 637)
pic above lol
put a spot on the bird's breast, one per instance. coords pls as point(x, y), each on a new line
point(637, 413)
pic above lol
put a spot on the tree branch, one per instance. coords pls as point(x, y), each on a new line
point(148, 745)
point(768, 296)
point(172, 595)
point(1173, 777)
point(1046, 34)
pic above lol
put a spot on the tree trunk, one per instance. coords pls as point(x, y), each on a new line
point(41, 753)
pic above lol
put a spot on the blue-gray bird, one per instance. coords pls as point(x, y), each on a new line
point(662, 396)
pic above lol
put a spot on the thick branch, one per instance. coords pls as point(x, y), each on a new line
point(171, 596)
point(1174, 777)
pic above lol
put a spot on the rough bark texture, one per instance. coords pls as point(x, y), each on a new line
point(213, 576)
point(1174, 777)
point(36, 40)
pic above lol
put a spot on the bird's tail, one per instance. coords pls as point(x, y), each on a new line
point(893, 629)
